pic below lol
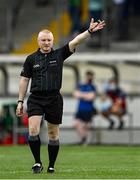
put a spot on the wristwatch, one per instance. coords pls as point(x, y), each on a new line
point(20, 101)
point(89, 31)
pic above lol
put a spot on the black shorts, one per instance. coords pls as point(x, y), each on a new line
point(85, 116)
point(50, 105)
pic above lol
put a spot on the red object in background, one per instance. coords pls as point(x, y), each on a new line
point(115, 96)
point(25, 120)
point(21, 139)
point(8, 140)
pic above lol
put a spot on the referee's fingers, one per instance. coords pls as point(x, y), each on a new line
point(92, 20)
point(19, 112)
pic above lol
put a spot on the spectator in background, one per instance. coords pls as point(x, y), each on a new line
point(118, 105)
point(103, 103)
point(120, 19)
point(75, 15)
point(85, 93)
point(95, 8)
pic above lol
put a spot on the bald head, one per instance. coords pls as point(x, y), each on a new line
point(45, 40)
point(45, 32)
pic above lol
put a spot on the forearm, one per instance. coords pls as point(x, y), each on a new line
point(81, 37)
point(77, 94)
point(93, 27)
point(78, 40)
point(23, 86)
point(85, 96)
point(88, 96)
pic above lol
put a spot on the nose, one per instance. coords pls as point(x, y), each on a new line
point(46, 42)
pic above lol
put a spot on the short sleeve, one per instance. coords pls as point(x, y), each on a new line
point(27, 68)
point(65, 52)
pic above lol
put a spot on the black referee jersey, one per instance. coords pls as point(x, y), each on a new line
point(45, 69)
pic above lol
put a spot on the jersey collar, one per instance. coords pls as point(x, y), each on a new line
point(38, 51)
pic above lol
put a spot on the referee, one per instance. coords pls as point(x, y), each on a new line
point(44, 68)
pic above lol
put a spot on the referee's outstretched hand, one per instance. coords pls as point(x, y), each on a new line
point(19, 110)
point(95, 26)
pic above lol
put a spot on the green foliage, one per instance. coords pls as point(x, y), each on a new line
point(74, 162)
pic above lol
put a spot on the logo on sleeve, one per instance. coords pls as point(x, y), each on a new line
point(36, 66)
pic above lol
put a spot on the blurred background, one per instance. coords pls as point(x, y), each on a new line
point(113, 52)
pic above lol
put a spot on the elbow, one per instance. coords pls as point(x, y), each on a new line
point(77, 41)
point(24, 81)
point(73, 44)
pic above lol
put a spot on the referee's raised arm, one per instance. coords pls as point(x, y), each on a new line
point(94, 26)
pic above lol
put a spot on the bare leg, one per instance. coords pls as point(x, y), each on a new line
point(117, 112)
point(121, 122)
point(107, 116)
point(82, 130)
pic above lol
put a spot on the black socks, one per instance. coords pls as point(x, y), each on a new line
point(53, 148)
point(111, 126)
point(34, 143)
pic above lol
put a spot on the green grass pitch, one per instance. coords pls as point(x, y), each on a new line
point(74, 162)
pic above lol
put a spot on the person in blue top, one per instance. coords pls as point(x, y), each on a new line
point(86, 94)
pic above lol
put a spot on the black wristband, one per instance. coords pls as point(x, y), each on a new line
point(89, 31)
point(20, 101)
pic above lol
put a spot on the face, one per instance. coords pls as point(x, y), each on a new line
point(112, 85)
point(89, 78)
point(45, 41)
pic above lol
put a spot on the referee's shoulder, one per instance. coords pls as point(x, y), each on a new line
point(32, 55)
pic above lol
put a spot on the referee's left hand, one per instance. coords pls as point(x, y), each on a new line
point(19, 110)
point(95, 26)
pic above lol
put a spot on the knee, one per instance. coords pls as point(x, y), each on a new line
point(76, 124)
point(53, 133)
point(33, 131)
point(105, 114)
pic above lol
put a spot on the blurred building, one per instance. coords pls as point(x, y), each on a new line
point(21, 20)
